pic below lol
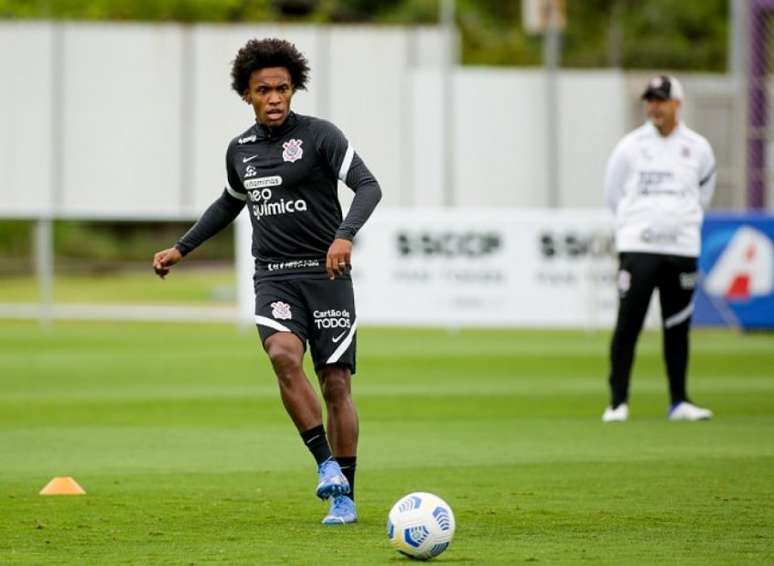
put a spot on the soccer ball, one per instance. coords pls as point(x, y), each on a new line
point(420, 525)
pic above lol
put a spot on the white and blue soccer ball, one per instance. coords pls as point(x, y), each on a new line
point(420, 525)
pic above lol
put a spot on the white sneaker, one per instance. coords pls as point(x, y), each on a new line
point(685, 411)
point(617, 415)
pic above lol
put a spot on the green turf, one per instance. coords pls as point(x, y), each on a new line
point(177, 434)
point(186, 285)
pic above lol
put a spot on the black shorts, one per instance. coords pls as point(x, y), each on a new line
point(318, 311)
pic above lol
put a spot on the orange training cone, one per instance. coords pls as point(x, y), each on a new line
point(62, 486)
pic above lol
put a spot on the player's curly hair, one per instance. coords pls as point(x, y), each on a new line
point(259, 54)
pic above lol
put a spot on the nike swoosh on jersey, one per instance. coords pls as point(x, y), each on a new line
point(246, 159)
point(335, 339)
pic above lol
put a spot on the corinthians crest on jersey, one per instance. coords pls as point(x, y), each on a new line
point(292, 150)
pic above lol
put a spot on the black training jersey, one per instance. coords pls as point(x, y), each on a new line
point(288, 178)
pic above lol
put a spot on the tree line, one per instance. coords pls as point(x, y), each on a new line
point(632, 34)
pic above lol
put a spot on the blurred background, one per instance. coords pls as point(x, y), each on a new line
point(488, 124)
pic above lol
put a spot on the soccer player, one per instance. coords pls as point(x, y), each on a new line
point(285, 168)
point(659, 179)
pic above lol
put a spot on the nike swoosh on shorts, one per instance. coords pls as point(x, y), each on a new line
point(339, 337)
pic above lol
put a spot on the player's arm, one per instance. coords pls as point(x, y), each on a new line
point(218, 215)
point(367, 196)
point(350, 169)
point(707, 176)
point(616, 174)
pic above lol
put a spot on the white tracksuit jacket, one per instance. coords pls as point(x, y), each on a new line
point(658, 188)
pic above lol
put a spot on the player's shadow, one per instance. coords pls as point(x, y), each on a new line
point(444, 560)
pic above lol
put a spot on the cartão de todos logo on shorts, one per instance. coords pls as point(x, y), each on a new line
point(332, 318)
point(281, 311)
point(293, 151)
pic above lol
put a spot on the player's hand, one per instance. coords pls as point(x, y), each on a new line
point(339, 258)
point(164, 260)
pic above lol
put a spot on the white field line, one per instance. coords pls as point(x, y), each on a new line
point(75, 311)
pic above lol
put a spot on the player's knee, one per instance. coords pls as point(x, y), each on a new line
point(284, 356)
point(336, 386)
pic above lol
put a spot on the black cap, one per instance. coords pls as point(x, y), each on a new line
point(663, 87)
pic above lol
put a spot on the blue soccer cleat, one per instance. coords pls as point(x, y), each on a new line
point(342, 511)
point(332, 481)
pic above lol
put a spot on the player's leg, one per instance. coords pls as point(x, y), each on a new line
point(636, 281)
point(676, 286)
point(343, 430)
point(282, 323)
point(332, 344)
point(343, 424)
point(286, 353)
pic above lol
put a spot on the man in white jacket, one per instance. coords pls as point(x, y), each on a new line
point(659, 179)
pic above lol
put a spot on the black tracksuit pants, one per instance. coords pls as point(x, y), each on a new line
point(639, 274)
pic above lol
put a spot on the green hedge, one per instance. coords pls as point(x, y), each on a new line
point(663, 34)
point(109, 241)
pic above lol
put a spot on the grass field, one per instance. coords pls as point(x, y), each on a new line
point(177, 434)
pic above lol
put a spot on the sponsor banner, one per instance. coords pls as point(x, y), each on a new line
point(737, 266)
point(476, 267)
